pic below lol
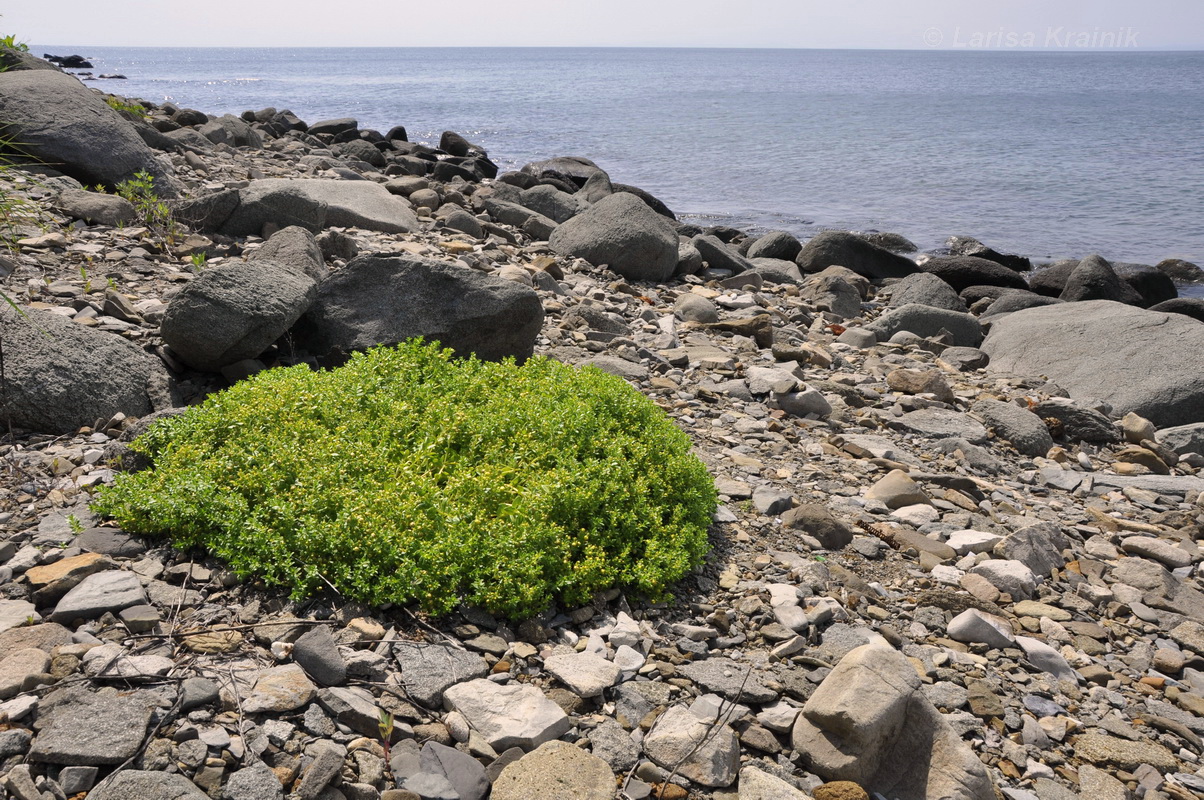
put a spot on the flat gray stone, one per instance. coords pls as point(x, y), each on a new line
point(285, 688)
point(973, 625)
point(428, 669)
point(147, 785)
point(463, 772)
point(940, 423)
point(586, 674)
point(707, 755)
point(256, 782)
point(79, 727)
point(556, 769)
point(726, 677)
point(17, 613)
point(96, 594)
point(318, 654)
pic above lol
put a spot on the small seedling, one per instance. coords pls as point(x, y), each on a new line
point(74, 523)
point(199, 259)
point(83, 273)
point(384, 725)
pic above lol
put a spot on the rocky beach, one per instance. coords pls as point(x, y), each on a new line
point(956, 556)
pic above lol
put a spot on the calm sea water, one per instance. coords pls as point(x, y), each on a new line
point(1046, 154)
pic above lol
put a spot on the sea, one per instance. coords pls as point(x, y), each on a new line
point(1047, 154)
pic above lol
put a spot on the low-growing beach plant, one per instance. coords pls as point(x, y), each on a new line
point(409, 476)
point(152, 211)
point(124, 107)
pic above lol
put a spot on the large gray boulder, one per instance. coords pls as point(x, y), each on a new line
point(315, 203)
point(377, 300)
point(961, 272)
point(870, 722)
point(844, 249)
point(235, 311)
point(61, 123)
point(295, 249)
point(60, 376)
point(1183, 438)
point(96, 207)
point(622, 232)
point(927, 290)
point(1101, 351)
point(928, 321)
point(1094, 279)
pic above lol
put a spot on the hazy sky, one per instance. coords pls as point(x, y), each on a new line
point(894, 24)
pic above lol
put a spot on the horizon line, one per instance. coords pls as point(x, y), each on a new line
point(1068, 50)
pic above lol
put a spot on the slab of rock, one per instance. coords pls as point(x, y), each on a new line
point(377, 300)
point(508, 716)
point(1099, 748)
point(622, 232)
point(112, 590)
point(1101, 351)
point(60, 121)
point(96, 208)
point(870, 723)
point(234, 311)
point(61, 376)
point(76, 726)
point(962, 272)
point(315, 203)
point(727, 678)
point(1039, 547)
point(1183, 438)
point(285, 688)
point(352, 706)
point(586, 674)
point(1158, 549)
point(256, 782)
point(556, 769)
point(1007, 575)
point(1046, 658)
point(940, 423)
point(148, 785)
point(428, 669)
point(707, 755)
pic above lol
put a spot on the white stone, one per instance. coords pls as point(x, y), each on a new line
point(971, 541)
point(514, 715)
point(916, 515)
point(1046, 659)
point(587, 674)
point(628, 659)
point(1009, 576)
point(778, 717)
point(1157, 549)
point(15, 613)
point(758, 785)
point(974, 626)
point(707, 755)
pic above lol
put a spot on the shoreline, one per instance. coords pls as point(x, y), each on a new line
point(1011, 563)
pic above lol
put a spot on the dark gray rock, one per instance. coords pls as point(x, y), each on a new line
point(815, 520)
point(295, 249)
point(59, 121)
point(235, 311)
point(1152, 284)
point(1183, 438)
point(1079, 424)
point(622, 232)
point(328, 760)
point(961, 272)
point(653, 202)
point(1094, 279)
point(463, 772)
point(460, 220)
point(717, 255)
point(1187, 306)
point(775, 244)
point(318, 654)
point(1050, 280)
point(964, 359)
point(572, 169)
point(928, 321)
point(551, 202)
point(60, 376)
point(147, 785)
point(1017, 300)
point(844, 249)
point(110, 542)
point(969, 246)
point(1181, 271)
point(378, 300)
point(111, 590)
point(96, 208)
point(256, 782)
point(333, 127)
point(894, 242)
point(1103, 351)
point(428, 669)
point(927, 290)
point(360, 150)
point(1039, 547)
point(76, 726)
point(1019, 426)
